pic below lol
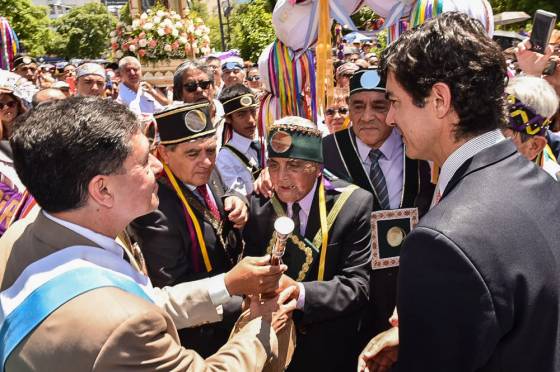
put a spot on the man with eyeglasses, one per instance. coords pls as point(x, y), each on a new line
point(328, 252)
point(26, 66)
point(193, 82)
point(215, 65)
point(90, 80)
point(138, 95)
point(371, 154)
point(232, 71)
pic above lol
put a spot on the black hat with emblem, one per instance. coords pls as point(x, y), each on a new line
point(185, 122)
point(367, 80)
point(23, 60)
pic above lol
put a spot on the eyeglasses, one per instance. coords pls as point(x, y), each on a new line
point(253, 78)
point(10, 104)
point(193, 85)
point(331, 111)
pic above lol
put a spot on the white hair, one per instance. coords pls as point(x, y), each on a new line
point(128, 60)
point(536, 93)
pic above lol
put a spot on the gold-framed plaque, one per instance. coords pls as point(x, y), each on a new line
point(388, 230)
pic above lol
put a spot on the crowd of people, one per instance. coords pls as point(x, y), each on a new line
point(141, 225)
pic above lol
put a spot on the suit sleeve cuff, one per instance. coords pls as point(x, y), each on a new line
point(301, 298)
point(217, 290)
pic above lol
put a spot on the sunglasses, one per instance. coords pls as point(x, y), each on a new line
point(10, 104)
point(193, 85)
point(253, 78)
point(342, 111)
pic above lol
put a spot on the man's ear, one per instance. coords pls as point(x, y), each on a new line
point(441, 99)
point(99, 191)
point(536, 146)
point(163, 153)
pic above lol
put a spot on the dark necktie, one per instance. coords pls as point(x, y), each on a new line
point(210, 204)
point(378, 180)
point(256, 146)
point(295, 217)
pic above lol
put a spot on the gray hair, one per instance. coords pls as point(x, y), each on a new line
point(535, 93)
point(128, 60)
point(186, 66)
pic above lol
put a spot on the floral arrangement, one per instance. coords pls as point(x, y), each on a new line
point(160, 34)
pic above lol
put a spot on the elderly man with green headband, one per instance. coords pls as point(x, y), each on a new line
point(328, 252)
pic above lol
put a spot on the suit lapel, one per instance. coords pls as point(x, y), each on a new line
point(483, 159)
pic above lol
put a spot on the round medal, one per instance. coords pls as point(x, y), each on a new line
point(281, 142)
point(395, 236)
point(195, 121)
point(246, 101)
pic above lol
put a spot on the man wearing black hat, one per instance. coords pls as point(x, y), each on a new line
point(239, 158)
point(26, 66)
point(194, 233)
point(371, 154)
point(328, 253)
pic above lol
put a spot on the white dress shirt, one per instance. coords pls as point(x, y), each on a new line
point(461, 155)
point(140, 102)
point(391, 164)
point(305, 204)
point(235, 174)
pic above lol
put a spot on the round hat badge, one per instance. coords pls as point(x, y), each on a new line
point(195, 121)
point(281, 142)
point(370, 79)
point(26, 60)
point(246, 101)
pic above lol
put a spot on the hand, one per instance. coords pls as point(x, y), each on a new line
point(381, 352)
point(147, 87)
point(532, 63)
point(263, 184)
point(253, 276)
point(287, 282)
point(554, 79)
point(237, 211)
point(277, 310)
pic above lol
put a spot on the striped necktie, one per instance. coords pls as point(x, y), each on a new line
point(378, 180)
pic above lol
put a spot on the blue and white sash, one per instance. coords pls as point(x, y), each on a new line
point(49, 283)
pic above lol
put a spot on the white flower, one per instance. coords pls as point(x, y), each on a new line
point(161, 31)
point(167, 48)
point(132, 48)
point(119, 54)
point(160, 13)
point(144, 16)
point(148, 26)
point(178, 25)
point(194, 44)
point(142, 43)
point(128, 28)
point(113, 34)
point(190, 28)
point(175, 32)
point(197, 33)
point(114, 40)
point(156, 20)
point(135, 24)
point(183, 40)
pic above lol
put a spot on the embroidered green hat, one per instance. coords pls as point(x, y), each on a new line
point(294, 137)
point(183, 123)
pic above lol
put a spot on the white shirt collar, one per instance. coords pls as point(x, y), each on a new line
point(387, 148)
point(103, 241)
point(464, 153)
point(239, 142)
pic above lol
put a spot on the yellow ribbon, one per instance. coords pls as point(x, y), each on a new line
point(324, 71)
point(324, 230)
point(199, 235)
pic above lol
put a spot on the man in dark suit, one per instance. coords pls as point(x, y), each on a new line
point(479, 283)
point(395, 180)
point(194, 233)
point(331, 263)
